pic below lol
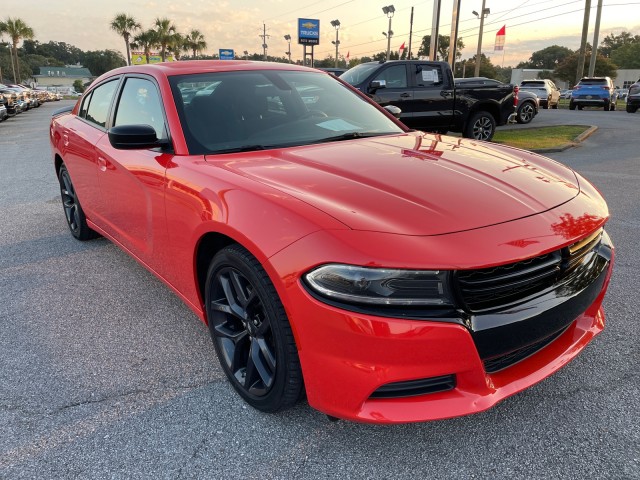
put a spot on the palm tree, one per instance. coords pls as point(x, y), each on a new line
point(125, 25)
point(16, 29)
point(195, 41)
point(176, 46)
point(145, 41)
point(165, 30)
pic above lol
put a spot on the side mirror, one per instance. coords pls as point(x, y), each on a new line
point(134, 137)
point(376, 84)
point(393, 110)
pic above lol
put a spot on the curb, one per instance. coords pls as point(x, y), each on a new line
point(580, 138)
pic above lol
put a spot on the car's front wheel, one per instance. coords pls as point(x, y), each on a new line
point(251, 332)
point(72, 210)
point(526, 112)
point(481, 126)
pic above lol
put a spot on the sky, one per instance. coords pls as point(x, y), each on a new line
point(530, 24)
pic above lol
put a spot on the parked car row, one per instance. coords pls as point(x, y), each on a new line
point(17, 98)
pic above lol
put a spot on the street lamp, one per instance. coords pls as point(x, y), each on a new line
point(287, 37)
point(484, 13)
point(388, 11)
point(246, 55)
point(336, 25)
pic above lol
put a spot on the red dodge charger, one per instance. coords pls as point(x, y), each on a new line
point(388, 274)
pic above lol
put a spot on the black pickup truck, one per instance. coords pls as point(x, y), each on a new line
point(430, 100)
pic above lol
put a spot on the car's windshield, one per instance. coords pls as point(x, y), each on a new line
point(359, 73)
point(256, 110)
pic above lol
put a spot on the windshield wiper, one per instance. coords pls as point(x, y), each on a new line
point(244, 148)
point(352, 135)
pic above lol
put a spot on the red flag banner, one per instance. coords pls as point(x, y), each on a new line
point(401, 47)
point(500, 36)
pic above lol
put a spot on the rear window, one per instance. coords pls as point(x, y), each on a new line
point(593, 81)
point(532, 84)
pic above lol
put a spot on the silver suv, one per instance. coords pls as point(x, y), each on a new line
point(546, 91)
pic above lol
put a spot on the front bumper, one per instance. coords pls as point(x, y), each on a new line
point(348, 358)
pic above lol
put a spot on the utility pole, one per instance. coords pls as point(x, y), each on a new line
point(264, 37)
point(483, 13)
point(388, 11)
point(410, 34)
point(583, 43)
point(435, 35)
point(453, 39)
point(287, 37)
point(594, 51)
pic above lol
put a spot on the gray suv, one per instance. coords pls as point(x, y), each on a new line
point(546, 91)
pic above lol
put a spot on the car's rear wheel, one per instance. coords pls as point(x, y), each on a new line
point(631, 109)
point(480, 126)
point(251, 332)
point(572, 106)
point(526, 112)
point(555, 106)
point(72, 210)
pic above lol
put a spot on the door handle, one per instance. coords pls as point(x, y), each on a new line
point(405, 95)
point(65, 139)
point(102, 164)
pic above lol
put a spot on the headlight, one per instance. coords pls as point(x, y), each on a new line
point(380, 286)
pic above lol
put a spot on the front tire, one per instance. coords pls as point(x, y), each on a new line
point(76, 219)
point(250, 331)
point(572, 106)
point(481, 126)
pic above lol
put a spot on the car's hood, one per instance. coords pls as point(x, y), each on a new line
point(411, 184)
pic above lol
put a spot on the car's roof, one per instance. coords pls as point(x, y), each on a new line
point(207, 66)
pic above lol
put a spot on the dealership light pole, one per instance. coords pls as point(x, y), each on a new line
point(483, 13)
point(287, 37)
point(336, 25)
point(388, 11)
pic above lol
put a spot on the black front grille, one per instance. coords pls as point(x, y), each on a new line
point(517, 309)
point(503, 285)
point(495, 364)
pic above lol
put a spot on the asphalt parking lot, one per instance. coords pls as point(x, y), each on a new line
point(106, 374)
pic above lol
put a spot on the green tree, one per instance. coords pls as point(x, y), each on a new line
point(487, 69)
point(165, 31)
point(62, 52)
point(567, 69)
point(17, 29)
point(145, 41)
point(627, 56)
point(176, 46)
point(547, 58)
point(612, 42)
point(125, 26)
point(444, 42)
point(78, 86)
point(195, 42)
point(101, 61)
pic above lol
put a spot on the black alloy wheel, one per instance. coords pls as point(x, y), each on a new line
point(250, 331)
point(526, 112)
point(72, 210)
point(481, 126)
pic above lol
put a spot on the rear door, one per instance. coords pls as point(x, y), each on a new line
point(132, 181)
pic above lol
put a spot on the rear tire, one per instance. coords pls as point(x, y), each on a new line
point(572, 106)
point(525, 113)
point(554, 106)
point(74, 215)
point(481, 126)
point(631, 109)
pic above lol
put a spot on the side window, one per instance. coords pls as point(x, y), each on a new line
point(140, 104)
point(395, 76)
point(100, 101)
point(428, 75)
point(85, 105)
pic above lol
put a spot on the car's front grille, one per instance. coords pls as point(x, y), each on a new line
point(515, 310)
point(503, 285)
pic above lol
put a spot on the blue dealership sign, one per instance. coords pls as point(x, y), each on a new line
point(308, 31)
point(226, 54)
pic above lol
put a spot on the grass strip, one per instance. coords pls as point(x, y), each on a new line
point(541, 137)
